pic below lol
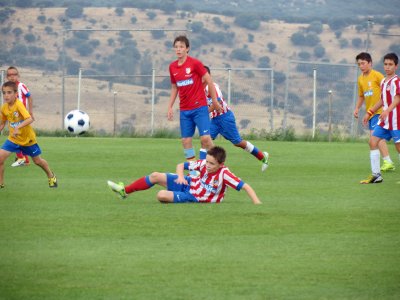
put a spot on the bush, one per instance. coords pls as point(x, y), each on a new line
point(271, 47)
point(243, 54)
point(30, 38)
point(249, 21)
point(356, 42)
point(319, 51)
point(74, 11)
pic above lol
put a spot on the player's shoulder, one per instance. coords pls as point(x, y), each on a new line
point(377, 74)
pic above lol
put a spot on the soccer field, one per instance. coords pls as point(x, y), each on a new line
point(319, 234)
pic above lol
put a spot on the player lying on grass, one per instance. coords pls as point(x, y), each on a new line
point(209, 187)
point(21, 135)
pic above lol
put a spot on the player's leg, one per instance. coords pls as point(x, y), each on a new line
point(388, 164)
point(34, 151)
point(231, 133)
point(214, 131)
point(176, 192)
point(202, 120)
point(141, 184)
point(19, 160)
point(4, 154)
point(378, 134)
point(187, 127)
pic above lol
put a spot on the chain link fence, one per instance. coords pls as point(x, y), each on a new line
point(312, 98)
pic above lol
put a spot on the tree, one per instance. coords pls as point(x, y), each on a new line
point(315, 27)
point(23, 3)
point(151, 15)
point(241, 54)
point(249, 21)
point(271, 47)
point(29, 37)
point(119, 11)
point(74, 11)
point(263, 62)
point(197, 26)
point(133, 20)
point(356, 42)
point(319, 51)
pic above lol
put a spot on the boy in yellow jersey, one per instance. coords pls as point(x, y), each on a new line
point(21, 135)
point(369, 91)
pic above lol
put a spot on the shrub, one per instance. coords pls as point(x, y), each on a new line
point(243, 54)
point(74, 11)
point(249, 21)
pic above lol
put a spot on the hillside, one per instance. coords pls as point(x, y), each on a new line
point(151, 51)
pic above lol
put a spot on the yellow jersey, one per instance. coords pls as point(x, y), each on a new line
point(15, 115)
point(369, 88)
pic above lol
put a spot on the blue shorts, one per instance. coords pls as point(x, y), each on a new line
point(373, 122)
point(181, 191)
point(32, 151)
point(387, 134)
point(225, 125)
point(190, 119)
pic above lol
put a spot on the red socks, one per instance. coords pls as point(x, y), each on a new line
point(138, 185)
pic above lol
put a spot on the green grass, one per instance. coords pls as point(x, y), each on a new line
point(318, 235)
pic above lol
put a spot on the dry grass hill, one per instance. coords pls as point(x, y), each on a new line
point(133, 107)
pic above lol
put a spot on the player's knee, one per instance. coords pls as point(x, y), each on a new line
point(154, 177)
point(162, 196)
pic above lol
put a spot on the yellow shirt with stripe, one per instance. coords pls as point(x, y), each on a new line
point(15, 115)
point(369, 88)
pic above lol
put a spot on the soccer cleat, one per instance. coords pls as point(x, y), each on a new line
point(118, 188)
point(374, 178)
point(387, 166)
point(53, 181)
point(18, 163)
point(265, 161)
point(2, 186)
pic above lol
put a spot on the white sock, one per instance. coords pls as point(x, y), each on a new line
point(375, 156)
point(387, 158)
point(249, 147)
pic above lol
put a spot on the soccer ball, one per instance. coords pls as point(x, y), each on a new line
point(77, 122)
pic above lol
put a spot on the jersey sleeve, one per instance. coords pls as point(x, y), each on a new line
point(25, 90)
point(232, 180)
point(171, 76)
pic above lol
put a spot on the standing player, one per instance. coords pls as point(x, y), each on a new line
point(21, 136)
point(209, 187)
point(25, 97)
point(187, 75)
point(369, 91)
point(389, 120)
point(224, 123)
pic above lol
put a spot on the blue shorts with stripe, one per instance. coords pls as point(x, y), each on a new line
point(373, 122)
point(33, 150)
point(181, 191)
point(190, 119)
point(225, 125)
point(387, 134)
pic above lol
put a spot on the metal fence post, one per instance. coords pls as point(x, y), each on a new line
point(153, 97)
point(314, 101)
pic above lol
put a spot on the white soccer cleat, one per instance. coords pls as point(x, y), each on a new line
point(18, 163)
point(264, 165)
point(118, 188)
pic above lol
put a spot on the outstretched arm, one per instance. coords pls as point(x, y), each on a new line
point(174, 93)
point(252, 194)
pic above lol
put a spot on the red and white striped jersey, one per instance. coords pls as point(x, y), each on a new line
point(23, 94)
point(221, 100)
point(212, 187)
point(389, 90)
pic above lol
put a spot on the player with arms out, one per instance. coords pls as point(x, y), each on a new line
point(369, 91)
point(24, 95)
point(209, 187)
point(187, 75)
point(389, 119)
point(21, 136)
point(224, 123)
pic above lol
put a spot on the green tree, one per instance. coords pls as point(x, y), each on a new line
point(249, 21)
point(74, 11)
point(243, 54)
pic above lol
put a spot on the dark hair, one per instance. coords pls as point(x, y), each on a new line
point(12, 68)
point(183, 39)
point(208, 69)
point(10, 84)
point(218, 153)
point(364, 56)
point(392, 56)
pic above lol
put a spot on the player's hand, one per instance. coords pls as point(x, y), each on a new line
point(355, 113)
point(365, 119)
point(170, 114)
point(383, 115)
point(181, 180)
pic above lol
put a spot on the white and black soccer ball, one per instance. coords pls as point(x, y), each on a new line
point(77, 122)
